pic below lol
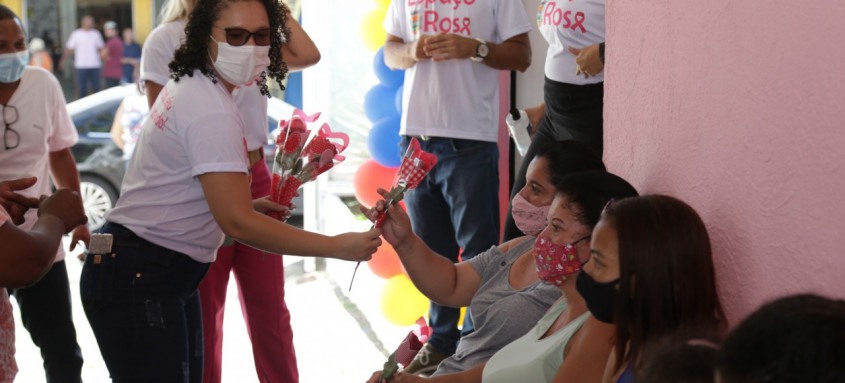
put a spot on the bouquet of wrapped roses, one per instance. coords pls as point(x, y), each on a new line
point(298, 159)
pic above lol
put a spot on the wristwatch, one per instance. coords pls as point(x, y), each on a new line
point(481, 51)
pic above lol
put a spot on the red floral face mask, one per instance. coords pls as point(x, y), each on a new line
point(555, 263)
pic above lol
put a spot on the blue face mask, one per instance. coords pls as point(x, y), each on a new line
point(12, 66)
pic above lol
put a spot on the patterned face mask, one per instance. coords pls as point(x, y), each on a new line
point(555, 263)
point(528, 218)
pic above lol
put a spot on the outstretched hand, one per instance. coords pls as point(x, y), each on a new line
point(265, 205)
point(81, 233)
point(396, 229)
point(399, 377)
point(66, 205)
point(358, 246)
point(15, 204)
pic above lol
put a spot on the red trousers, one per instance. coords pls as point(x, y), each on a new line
point(261, 287)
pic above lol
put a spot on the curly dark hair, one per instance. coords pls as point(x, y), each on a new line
point(193, 53)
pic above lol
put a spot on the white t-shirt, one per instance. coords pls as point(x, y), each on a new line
point(44, 127)
point(158, 52)
point(135, 111)
point(455, 98)
point(564, 24)
point(86, 47)
point(194, 128)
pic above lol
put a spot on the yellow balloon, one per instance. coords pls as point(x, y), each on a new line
point(383, 4)
point(372, 32)
point(401, 303)
point(461, 318)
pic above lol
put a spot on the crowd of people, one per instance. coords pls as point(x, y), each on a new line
point(100, 59)
point(591, 283)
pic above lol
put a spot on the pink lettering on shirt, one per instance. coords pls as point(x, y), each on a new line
point(158, 119)
point(434, 23)
point(430, 21)
point(168, 99)
point(550, 14)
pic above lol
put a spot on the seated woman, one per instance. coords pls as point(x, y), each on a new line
point(651, 274)
point(500, 286)
point(567, 344)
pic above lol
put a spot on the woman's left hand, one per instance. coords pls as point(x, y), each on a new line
point(265, 204)
point(399, 377)
point(588, 60)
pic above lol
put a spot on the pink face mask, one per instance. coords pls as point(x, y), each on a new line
point(528, 218)
point(555, 263)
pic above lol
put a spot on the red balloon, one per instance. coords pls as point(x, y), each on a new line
point(369, 177)
point(385, 262)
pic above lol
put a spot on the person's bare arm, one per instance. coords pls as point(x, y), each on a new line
point(152, 90)
point(16, 205)
point(27, 256)
point(65, 175)
point(437, 277)
point(587, 353)
point(231, 205)
point(65, 54)
point(512, 54)
point(300, 52)
point(117, 127)
point(401, 55)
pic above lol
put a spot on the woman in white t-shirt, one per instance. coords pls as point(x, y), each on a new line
point(187, 184)
point(574, 88)
point(260, 290)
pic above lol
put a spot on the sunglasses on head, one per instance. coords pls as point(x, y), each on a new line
point(239, 36)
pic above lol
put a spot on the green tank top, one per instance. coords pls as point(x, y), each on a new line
point(531, 359)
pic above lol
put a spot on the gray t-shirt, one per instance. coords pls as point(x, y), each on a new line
point(500, 313)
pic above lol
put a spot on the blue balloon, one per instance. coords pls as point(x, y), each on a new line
point(383, 142)
point(387, 76)
point(380, 103)
point(398, 99)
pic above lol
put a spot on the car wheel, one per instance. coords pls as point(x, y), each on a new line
point(98, 197)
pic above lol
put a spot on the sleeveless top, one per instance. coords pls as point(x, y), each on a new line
point(532, 358)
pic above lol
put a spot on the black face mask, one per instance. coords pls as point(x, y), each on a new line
point(600, 297)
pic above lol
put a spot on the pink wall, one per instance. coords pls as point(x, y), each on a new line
point(738, 108)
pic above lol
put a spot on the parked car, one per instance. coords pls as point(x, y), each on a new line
point(100, 162)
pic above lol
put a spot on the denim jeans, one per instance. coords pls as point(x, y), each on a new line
point(87, 76)
point(143, 305)
point(456, 207)
point(46, 314)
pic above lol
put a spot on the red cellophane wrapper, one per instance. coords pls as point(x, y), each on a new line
point(299, 160)
point(412, 343)
point(416, 164)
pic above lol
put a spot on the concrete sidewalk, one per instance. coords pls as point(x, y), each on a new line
point(339, 336)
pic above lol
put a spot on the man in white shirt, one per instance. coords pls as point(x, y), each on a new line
point(86, 45)
point(37, 136)
point(452, 53)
